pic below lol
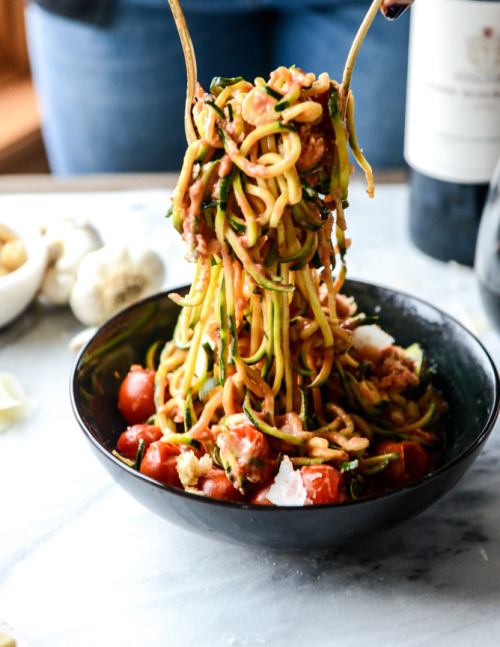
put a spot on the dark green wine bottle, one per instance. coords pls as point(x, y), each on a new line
point(452, 138)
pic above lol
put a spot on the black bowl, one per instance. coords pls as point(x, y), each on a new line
point(465, 375)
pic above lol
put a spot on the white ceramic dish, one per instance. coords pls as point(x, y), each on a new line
point(19, 288)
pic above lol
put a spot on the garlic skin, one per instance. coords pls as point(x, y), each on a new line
point(112, 278)
point(78, 341)
point(68, 241)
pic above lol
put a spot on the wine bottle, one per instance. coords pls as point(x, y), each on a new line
point(452, 136)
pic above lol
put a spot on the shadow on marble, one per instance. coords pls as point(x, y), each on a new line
point(452, 548)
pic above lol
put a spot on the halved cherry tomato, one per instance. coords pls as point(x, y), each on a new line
point(259, 496)
point(128, 443)
point(410, 466)
point(216, 485)
point(136, 395)
point(160, 463)
point(322, 483)
point(246, 453)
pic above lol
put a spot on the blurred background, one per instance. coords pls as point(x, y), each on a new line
point(21, 145)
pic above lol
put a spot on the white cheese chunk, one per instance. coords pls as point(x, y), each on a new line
point(288, 488)
point(371, 336)
point(190, 468)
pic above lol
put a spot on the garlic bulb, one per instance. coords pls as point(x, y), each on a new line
point(113, 278)
point(68, 242)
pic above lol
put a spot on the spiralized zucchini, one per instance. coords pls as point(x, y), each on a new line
point(264, 334)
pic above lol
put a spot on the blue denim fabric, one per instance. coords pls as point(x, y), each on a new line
point(112, 98)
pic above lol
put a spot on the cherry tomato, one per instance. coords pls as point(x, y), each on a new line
point(216, 485)
point(259, 496)
point(251, 453)
point(410, 466)
point(128, 443)
point(160, 463)
point(322, 483)
point(136, 395)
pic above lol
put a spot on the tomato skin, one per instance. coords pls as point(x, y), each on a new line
point(216, 485)
point(136, 400)
point(410, 466)
point(259, 496)
point(394, 474)
point(251, 452)
point(160, 463)
point(322, 483)
point(128, 443)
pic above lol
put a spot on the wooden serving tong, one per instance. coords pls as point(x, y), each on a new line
point(391, 9)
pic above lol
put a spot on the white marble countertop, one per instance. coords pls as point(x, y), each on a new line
point(82, 563)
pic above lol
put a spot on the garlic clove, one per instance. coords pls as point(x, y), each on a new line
point(77, 342)
point(14, 404)
point(86, 303)
point(68, 241)
point(57, 286)
point(55, 249)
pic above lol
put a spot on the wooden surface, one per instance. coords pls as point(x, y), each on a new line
point(20, 136)
point(21, 145)
point(13, 47)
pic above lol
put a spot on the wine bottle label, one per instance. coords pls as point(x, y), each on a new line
point(453, 101)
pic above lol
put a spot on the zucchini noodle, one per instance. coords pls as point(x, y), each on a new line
point(265, 336)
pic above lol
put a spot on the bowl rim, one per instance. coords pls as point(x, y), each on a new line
point(477, 442)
